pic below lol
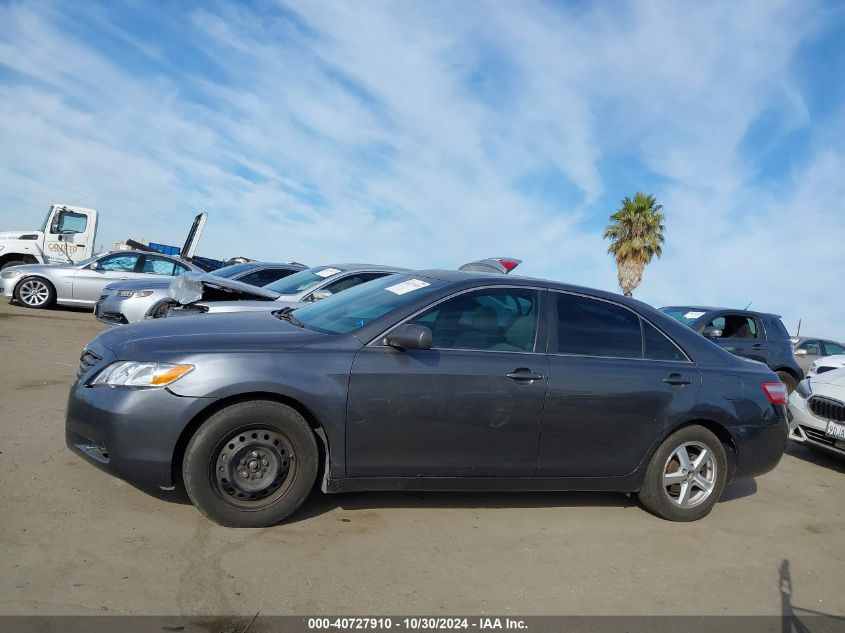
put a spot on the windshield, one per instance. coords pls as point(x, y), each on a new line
point(232, 271)
point(687, 316)
point(303, 280)
point(354, 308)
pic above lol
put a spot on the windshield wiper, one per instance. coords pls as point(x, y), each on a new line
point(287, 315)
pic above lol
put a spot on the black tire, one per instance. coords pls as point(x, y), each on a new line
point(284, 449)
point(788, 380)
point(659, 499)
point(11, 263)
point(26, 299)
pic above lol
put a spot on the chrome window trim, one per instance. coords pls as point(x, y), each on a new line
point(635, 313)
point(376, 342)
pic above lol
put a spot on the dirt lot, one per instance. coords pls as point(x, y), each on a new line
point(74, 540)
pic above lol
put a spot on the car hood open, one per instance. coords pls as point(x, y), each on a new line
point(191, 287)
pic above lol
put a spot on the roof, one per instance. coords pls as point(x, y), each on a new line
point(354, 267)
point(718, 309)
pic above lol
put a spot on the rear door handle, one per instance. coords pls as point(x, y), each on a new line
point(758, 346)
point(524, 374)
point(677, 379)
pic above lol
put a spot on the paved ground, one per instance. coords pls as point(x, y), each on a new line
point(74, 540)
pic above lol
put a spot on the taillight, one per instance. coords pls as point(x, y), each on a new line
point(775, 392)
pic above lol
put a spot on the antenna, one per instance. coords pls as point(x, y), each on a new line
point(749, 303)
point(798, 333)
point(83, 198)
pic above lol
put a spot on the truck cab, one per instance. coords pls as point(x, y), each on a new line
point(67, 236)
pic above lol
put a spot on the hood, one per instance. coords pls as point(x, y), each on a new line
point(191, 287)
point(834, 377)
point(160, 339)
point(836, 359)
point(19, 235)
point(26, 269)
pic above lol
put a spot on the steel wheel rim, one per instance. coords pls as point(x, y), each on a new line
point(689, 475)
point(34, 292)
point(253, 468)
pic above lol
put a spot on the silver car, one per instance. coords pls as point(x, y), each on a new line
point(130, 301)
point(82, 283)
point(197, 294)
point(808, 349)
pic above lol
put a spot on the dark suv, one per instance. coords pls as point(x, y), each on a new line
point(756, 335)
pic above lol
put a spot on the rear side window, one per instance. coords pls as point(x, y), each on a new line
point(162, 266)
point(589, 327)
point(833, 348)
point(352, 280)
point(656, 346)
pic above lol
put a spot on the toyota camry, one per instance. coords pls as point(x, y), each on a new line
point(429, 380)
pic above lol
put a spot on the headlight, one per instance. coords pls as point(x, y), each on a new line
point(133, 293)
point(803, 389)
point(10, 274)
point(128, 373)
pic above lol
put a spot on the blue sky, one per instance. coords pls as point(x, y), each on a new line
point(426, 134)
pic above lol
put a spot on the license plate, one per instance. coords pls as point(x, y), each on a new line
point(835, 430)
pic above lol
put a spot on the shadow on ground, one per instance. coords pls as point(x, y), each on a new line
point(817, 457)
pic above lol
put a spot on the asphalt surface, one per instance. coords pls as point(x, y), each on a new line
point(75, 541)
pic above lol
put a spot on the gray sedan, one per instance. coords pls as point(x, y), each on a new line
point(130, 301)
point(82, 283)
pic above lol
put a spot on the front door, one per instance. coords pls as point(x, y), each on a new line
point(88, 283)
point(615, 383)
point(470, 406)
point(741, 335)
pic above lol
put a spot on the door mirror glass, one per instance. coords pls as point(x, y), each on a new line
point(712, 332)
point(317, 295)
point(93, 265)
point(800, 352)
point(408, 336)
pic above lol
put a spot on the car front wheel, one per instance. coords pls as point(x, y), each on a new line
point(35, 292)
point(251, 464)
point(686, 475)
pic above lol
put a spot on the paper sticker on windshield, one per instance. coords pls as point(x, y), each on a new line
point(692, 314)
point(327, 272)
point(407, 286)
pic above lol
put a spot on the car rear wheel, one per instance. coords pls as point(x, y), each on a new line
point(251, 464)
point(686, 475)
point(788, 380)
point(35, 292)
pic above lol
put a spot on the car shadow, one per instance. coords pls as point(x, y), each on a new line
point(817, 457)
point(738, 490)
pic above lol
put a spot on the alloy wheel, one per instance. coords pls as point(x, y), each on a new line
point(689, 475)
point(34, 292)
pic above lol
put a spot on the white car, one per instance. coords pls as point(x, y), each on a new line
point(826, 364)
point(817, 412)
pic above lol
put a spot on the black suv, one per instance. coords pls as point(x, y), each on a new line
point(756, 335)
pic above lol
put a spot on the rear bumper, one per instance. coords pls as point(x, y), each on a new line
point(760, 448)
point(129, 433)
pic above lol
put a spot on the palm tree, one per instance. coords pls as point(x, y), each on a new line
point(636, 233)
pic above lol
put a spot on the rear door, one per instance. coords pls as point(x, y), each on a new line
point(88, 284)
point(615, 383)
point(469, 406)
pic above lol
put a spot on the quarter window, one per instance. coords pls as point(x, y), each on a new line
point(494, 320)
point(656, 346)
point(589, 327)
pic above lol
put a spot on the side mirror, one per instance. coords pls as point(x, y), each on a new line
point(408, 336)
point(712, 332)
point(320, 294)
point(93, 265)
point(800, 352)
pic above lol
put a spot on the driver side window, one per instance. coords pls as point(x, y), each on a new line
point(813, 348)
point(493, 320)
point(119, 263)
point(69, 222)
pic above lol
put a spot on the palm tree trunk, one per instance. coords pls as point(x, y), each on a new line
point(630, 274)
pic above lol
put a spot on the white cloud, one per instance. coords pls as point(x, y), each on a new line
point(401, 133)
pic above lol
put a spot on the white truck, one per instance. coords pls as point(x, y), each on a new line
point(67, 236)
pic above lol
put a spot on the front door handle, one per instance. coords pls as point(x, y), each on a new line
point(758, 346)
point(677, 379)
point(524, 374)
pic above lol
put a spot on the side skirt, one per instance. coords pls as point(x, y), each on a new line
point(627, 483)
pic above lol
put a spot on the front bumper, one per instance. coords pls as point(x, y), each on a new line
point(129, 433)
point(806, 428)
